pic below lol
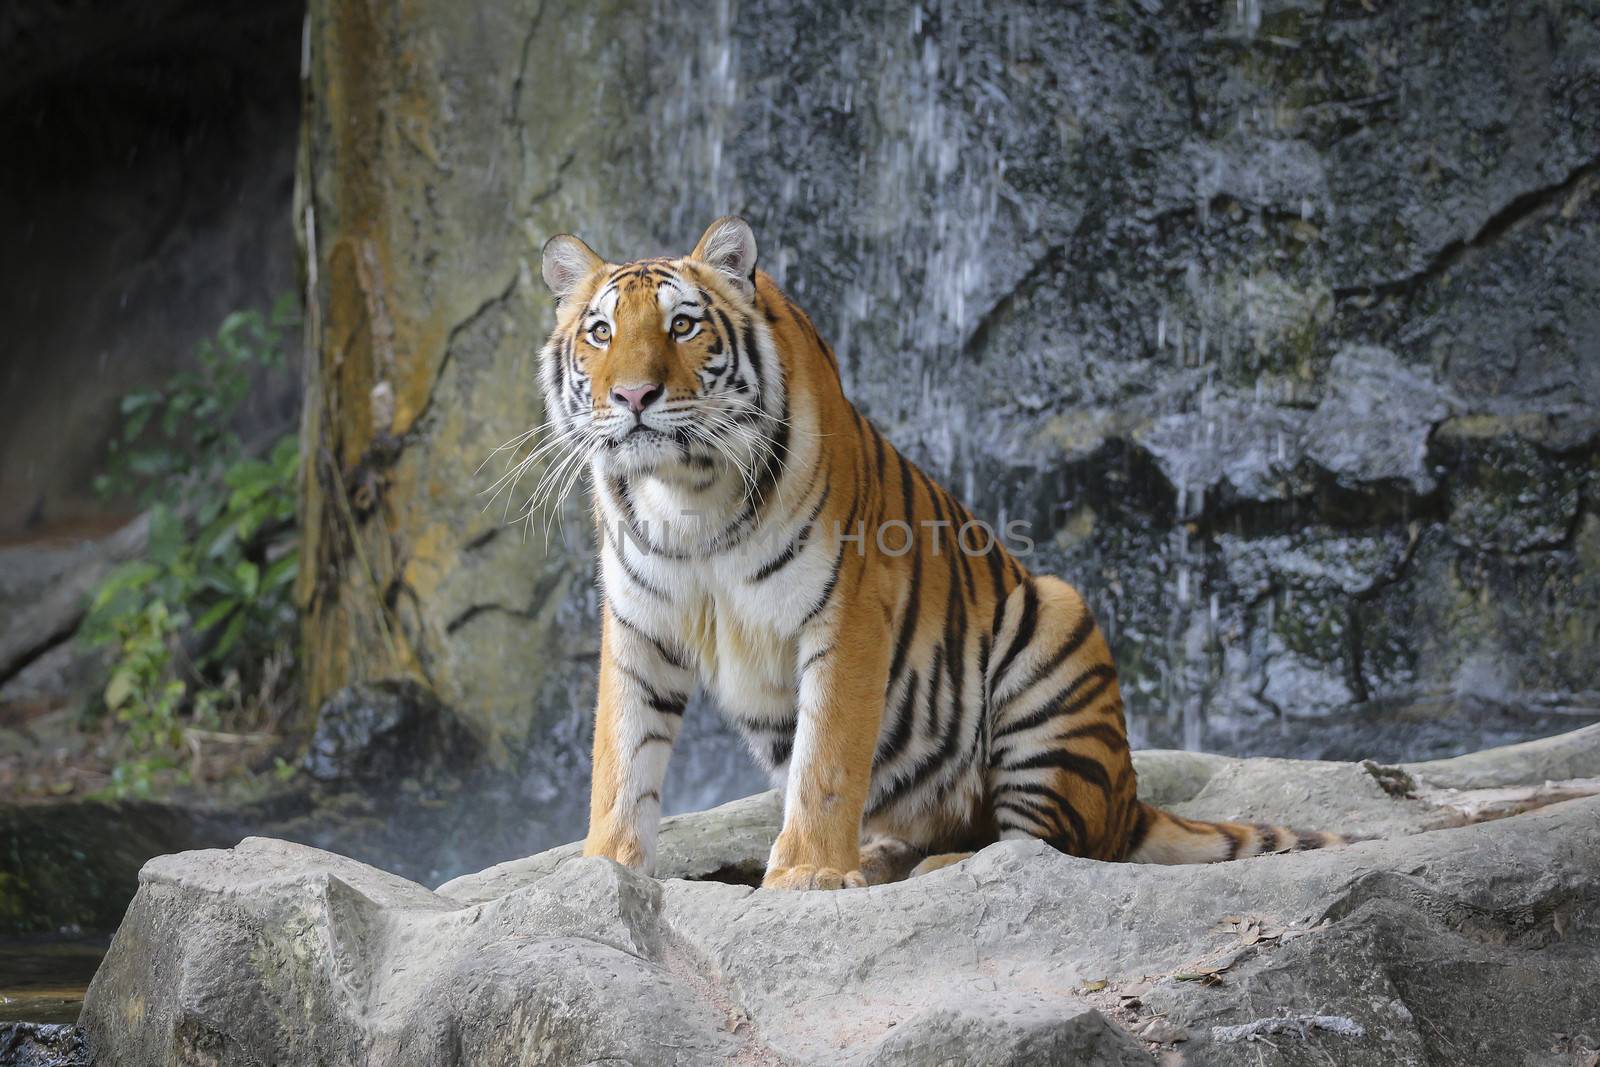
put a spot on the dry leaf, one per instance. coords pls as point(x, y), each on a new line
point(1203, 977)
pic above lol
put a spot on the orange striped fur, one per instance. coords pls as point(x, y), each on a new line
point(759, 537)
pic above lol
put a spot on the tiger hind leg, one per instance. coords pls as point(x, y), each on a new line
point(887, 859)
point(937, 863)
point(1059, 767)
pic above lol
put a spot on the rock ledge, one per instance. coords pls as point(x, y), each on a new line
point(1476, 943)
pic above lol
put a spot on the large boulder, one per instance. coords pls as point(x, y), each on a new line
point(1473, 944)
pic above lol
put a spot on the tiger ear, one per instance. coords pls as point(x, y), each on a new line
point(729, 247)
point(567, 264)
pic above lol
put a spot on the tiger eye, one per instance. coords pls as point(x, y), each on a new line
point(681, 325)
point(600, 332)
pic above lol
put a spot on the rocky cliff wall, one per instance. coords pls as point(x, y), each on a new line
point(1276, 320)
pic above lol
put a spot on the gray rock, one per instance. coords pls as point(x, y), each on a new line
point(384, 732)
point(1251, 449)
point(1480, 939)
point(45, 589)
point(1375, 418)
point(1140, 274)
point(727, 844)
point(43, 1045)
point(1570, 755)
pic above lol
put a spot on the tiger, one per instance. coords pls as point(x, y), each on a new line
point(912, 690)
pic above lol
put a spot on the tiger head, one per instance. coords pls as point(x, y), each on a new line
point(661, 367)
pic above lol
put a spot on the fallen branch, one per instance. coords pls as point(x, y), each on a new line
point(1461, 807)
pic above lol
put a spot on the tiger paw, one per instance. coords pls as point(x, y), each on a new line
point(624, 848)
point(805, 876)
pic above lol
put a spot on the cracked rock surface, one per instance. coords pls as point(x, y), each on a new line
point(1172, 283)
point(1473, 944)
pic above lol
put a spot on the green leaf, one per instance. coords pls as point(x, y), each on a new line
point(166, 541)
point(234, 322)
point(282, 573)
point(286, 454)
point(230, 636)
point(249, 576)
point(149, 464)
point(136, 422)
point(216, 613)
point(220, 538)
point(119, 689)
point(123, 577)
point(139, 401)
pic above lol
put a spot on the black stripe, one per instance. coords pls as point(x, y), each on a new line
point(959, 518)
point(1140, 831)
point(1074, 641)
point(732, 337)
point(627, 569)
point(660, 646)
point(1304, 840)
point(772, 469)
point(622, 496)
point(895, 743)
point(1063, 808)
point(827, 590)
point(668, 703)
point(838, 563)
point(927, 766)
point(879, 452)
point(997, 578)
point(980, 736)
point(1024, 634)
point(1108, 734)
point(652, 738)
point(749, 338)
point(1028, 809)
point(1089, 770)
point(1267, 839)
point(1051, 709)
point(815, 658)
point(908, 622)
point(955, 630)
point(792, 549)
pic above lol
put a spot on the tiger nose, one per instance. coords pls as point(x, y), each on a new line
point(636, 397)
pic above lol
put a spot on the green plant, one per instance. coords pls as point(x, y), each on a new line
point(184, 433)
point(191, 623)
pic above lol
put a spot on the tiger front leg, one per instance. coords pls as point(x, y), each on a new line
point(844, 671)
point(644, 687)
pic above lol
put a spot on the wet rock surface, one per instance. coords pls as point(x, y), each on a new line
point(1469, 944)
point(44, 1045)
point(1176, 284)
point(386, 732)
